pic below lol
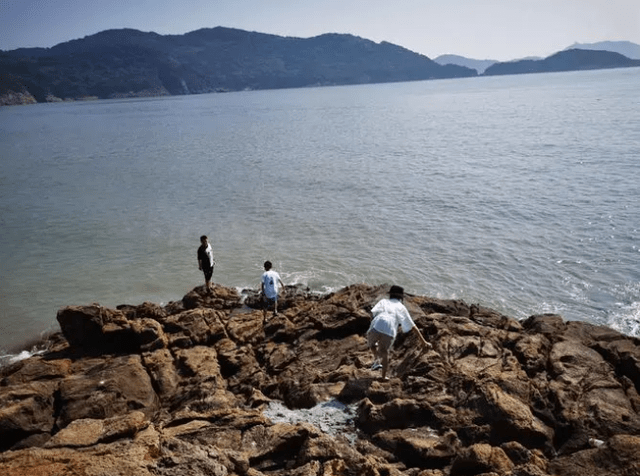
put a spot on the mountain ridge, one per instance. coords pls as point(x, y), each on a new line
point(126, 62)
point(626, 48)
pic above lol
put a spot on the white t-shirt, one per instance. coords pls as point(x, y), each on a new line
point(270, 281)
point(388, 314)
point(209, 252)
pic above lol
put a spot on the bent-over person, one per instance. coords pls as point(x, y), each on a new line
point(388, 315)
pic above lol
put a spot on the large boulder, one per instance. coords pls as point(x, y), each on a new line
point(105, 388)
point(101, 330)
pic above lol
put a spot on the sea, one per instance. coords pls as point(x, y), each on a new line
point(520, 193)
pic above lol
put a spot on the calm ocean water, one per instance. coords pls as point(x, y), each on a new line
point(521, 193)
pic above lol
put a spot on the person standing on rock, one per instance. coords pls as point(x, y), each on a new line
point(206, 262)
point(388, 315)
point(270, 286)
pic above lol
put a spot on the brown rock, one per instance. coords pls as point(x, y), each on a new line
point(179, 390)
point(420, 447)
point(26, 409)
point(100, 330)
point(512, 419)
point(89, 432)
point(195, 327)
point(105, 388)
point(220, 297)
point(618, 457)
point(481, 458)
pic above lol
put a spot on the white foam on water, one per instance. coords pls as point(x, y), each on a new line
point(626, 319)
point(8, 359)
point(331, 417)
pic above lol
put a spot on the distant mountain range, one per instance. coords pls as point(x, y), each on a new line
point(131, 63)
point(625, 48)
point(122, 63)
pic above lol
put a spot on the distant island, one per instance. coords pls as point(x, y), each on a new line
point(130, 63)
point(625, 48)
point(568, 60)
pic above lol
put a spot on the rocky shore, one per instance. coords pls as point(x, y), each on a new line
point(204, 386)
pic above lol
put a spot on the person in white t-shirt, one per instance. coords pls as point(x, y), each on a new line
point(271, 283)
point(388, 315)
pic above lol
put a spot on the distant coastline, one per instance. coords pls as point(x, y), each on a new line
point(128, 63)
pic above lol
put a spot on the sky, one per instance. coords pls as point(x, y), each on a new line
point(480, 29)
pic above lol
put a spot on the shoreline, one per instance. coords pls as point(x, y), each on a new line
point(208, 385)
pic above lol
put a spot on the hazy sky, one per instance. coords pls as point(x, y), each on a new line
point(491, 29)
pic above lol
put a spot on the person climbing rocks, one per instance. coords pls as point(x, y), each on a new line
point(388, 315)
point(271, 283)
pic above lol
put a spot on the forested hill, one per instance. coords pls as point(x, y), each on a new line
point(130, 63)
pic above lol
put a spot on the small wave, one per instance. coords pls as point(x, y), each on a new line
point(626, 319)
point(8, 359)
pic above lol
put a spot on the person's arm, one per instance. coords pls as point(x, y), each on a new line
point(408, 321)
point(424, 342)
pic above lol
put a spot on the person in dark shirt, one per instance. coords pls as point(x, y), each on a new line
point(206, 262)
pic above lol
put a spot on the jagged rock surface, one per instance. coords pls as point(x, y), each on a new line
point(190, 388)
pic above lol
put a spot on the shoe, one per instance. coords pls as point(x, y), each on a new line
point(376, 366)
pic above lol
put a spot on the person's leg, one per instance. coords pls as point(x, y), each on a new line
point(268, 304)
point(208, 272)
point(373, 340)
point(384, 345)
point(265, 307)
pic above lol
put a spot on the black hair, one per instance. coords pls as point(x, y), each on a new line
point(396, 292)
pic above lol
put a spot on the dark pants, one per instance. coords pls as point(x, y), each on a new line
point(208, 272)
